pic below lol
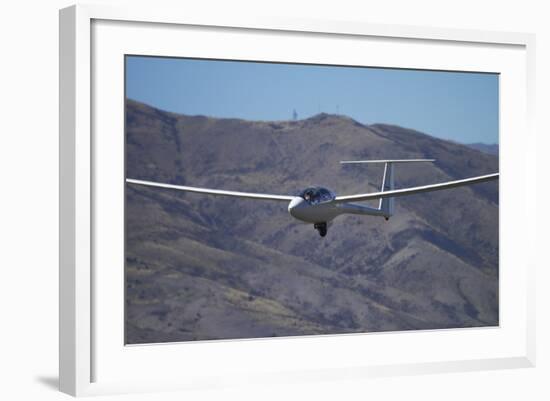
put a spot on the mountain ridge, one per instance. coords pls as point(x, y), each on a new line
point(490, 148)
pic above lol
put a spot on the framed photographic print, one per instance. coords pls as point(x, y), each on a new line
point(278, 200)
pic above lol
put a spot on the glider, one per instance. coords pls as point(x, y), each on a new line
point(318, 206)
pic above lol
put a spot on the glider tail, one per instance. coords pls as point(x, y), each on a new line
point(387, 205)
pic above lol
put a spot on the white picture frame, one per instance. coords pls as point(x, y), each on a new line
point(82, 343)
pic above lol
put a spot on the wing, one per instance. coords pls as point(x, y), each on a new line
point(218, 192)
point(416, 190)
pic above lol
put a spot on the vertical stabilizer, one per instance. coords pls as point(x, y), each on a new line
point(387, 204)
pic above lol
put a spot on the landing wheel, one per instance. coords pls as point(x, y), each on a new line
point(322, 228)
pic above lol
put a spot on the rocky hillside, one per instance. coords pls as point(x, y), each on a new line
point(201, 267)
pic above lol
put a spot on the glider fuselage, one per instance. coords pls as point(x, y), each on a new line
point(316, 205)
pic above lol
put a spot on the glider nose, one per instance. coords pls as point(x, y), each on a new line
point(295, 204)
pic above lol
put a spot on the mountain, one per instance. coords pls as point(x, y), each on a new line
point(491, 149)
point(201, 267)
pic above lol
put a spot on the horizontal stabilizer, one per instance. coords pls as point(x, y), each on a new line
point(386, 161)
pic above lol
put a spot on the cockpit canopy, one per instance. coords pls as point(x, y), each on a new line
point(315, 195)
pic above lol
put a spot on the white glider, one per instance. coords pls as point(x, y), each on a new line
point(319, 205)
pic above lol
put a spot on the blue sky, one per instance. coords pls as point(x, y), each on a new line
point(459, 106)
